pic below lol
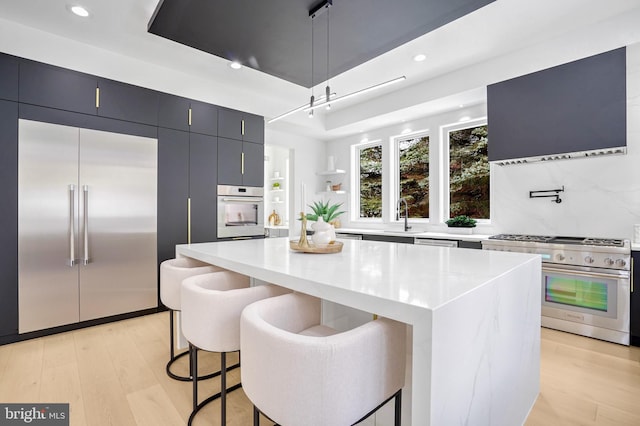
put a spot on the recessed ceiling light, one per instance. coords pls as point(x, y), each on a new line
point(235, 65)
point(80, 11)
point(420, 57)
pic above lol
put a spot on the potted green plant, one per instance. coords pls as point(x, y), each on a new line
point(325, 216)
point(328, 212)
point(461, 224)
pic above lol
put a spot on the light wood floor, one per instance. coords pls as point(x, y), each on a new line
point(114, 375)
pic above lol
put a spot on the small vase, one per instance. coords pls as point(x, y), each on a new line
point(323, 233)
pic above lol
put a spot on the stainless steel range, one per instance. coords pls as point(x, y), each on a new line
point(585, 282)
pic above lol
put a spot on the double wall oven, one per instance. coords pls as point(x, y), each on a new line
point(240, 211)
point(585, 282)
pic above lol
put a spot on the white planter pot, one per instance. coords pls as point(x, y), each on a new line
point(460, 231)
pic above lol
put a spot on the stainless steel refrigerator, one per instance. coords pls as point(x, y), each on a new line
point(86, 224)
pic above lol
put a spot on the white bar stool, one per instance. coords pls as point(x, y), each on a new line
point(211, 308)
point(172, 273)
point(298, 372)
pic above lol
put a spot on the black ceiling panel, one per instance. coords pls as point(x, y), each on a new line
point(274, 36)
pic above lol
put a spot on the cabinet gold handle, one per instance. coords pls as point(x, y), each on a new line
point(242, 163)
point(242, 127)
point(189, 220)
point(97, 97)
point(189, 116)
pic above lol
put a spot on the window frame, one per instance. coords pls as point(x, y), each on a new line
point(355, 181)
point(394, 175)
point(445, 185)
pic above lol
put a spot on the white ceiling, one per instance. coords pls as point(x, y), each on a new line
point(502, 40)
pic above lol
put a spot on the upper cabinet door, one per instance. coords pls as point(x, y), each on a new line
point(127, 102)
point(204, 118)
point(240, 125)
point(253, 167)
point(49, 86)
point(173, 112)
point(8, 77)
point(229, 162)
point(230, 123)
point(253, 126)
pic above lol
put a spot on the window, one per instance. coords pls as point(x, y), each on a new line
point(370, 181)
point(440, 173)
point(413, 175)
point(469, 172)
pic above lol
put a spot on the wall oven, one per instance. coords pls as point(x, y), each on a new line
point(240, 211)
point(585, 282)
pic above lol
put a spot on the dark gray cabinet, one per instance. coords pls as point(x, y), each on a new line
point(9, 69)
point(635, 299)
point(388, 238)
point(173, 191)
point(470, 244)
point(239, 125)
point(579, 106)
point(127, 102)
point(53, 87)
point(9, 218)
point(204, 118)
point(203, 154)
point(175, 112)
point(186, 170)
point(240, 163)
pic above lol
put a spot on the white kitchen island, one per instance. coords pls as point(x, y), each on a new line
point(474, 316)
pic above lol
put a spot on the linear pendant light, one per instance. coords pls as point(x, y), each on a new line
point(328, 98)
point(300, 108)
point(353, 94)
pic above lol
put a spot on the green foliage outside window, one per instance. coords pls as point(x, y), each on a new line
point(469, 173)
point(371, 181)
point(413, 158)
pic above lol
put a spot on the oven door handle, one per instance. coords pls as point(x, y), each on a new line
point(244, 199)
point(615, 276)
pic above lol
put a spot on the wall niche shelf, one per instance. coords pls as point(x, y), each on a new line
point(331, 172)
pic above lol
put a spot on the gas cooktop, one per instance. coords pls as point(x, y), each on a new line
point(604, 242)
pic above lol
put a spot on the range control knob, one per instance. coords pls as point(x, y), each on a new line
point(560, 256)
point(608, 261)
point(588, 259)
point(621, 263)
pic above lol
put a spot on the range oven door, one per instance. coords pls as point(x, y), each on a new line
point(594, 297)
point(240, 215)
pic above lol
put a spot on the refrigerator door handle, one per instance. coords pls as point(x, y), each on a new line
point(85, 259)
point(72, 229)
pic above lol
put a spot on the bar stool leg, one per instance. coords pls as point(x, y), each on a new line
point(398, 408)
point(256, 416)
point(193, 366)
point(223, 388)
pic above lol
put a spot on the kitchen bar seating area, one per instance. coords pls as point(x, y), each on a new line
point(106, 385)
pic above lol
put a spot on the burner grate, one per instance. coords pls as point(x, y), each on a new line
point(518, 237)
point(603, 242)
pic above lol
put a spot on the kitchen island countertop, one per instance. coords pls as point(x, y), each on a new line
point(474, 315)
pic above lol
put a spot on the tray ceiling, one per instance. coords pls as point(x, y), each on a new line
point(275, 36)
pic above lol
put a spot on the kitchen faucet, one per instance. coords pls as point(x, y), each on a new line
point(406, 213)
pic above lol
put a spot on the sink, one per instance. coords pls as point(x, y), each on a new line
point(400, 231)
